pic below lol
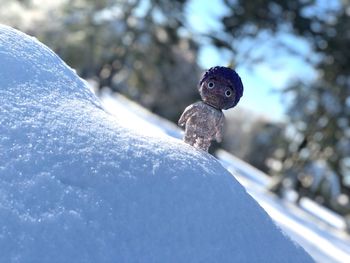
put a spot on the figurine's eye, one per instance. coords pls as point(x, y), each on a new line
point(228, 93)
point(211, 85)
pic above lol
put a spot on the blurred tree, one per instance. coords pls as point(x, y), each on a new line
point(267, 136)
point(252, 137)
point(239, 131)
point(134, 47)
point(319, 112)
point(139, 48)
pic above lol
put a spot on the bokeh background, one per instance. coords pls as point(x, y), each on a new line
point(293, 121)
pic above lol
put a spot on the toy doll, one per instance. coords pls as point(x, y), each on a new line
point(220, 89)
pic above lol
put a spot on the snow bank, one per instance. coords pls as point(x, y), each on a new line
point(77, 186)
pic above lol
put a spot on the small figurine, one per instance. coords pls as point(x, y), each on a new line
point(220, 88)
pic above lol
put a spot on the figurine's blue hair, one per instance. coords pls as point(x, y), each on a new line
point(229, 74)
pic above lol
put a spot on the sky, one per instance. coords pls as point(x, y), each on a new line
point(264, 81)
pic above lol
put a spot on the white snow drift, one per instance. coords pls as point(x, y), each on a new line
point(77, 186)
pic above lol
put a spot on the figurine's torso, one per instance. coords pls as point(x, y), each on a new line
point(205, 121)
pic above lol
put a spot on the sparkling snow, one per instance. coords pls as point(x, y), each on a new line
point(77, 185)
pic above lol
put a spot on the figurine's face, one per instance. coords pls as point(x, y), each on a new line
point(218, 92)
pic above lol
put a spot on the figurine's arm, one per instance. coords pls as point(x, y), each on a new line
point(189, 111)
point(219, 128)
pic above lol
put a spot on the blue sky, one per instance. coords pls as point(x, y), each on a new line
point(263, 81)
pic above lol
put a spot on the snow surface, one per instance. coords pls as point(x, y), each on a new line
point(76, 185)
point(318, 230)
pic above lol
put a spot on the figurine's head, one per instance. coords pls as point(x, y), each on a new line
point(221, 87)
